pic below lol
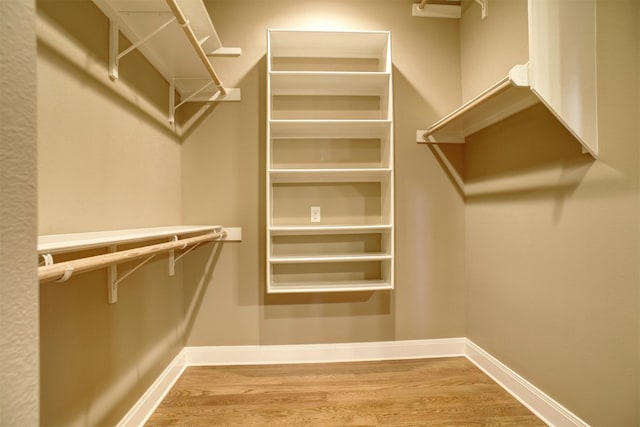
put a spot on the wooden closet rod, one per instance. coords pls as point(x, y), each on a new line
point(490, 93)
point(196, 45)
point(63, 270)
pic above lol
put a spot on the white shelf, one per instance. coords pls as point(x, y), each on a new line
point(293, 230)
point(330, 44)
point(344, 286)
point(330, 128)
point(329, 83)
point(59, 243)
point(330, 175)
point(292, 259)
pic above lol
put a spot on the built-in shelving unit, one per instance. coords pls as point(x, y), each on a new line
point(176, 238)
point(177, 37)
point(329, 161)
point(564, 81)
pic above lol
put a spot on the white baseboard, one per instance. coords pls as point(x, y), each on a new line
point(538, 402)
point(323, 353)
point(547, 409)
point(144, 407)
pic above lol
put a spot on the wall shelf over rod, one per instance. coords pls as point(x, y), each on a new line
point(177, 37)
point(192, 236)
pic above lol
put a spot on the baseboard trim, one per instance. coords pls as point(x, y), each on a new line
point(550, 411)
point(144, 407)
point(541, 404)
point(324, 353)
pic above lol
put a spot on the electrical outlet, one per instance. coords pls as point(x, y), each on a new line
point(315, 213)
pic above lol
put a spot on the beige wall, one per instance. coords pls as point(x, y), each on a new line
point(19, 380)
point(103, 163)
point(552, 240)
point(224, 181)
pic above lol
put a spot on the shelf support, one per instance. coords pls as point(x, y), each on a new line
point(115, 55)
point(484, 8)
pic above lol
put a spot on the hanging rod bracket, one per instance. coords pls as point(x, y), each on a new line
point(484, 8)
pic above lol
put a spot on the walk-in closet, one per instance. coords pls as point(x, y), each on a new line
point(320, 212)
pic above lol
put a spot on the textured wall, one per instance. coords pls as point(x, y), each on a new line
point(224, 181)
point(18, 286)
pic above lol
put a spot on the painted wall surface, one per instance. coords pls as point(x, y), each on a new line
point(103, 163)
point(224, 182)
point(553, 240)
point(490, 47)
point(19, 398)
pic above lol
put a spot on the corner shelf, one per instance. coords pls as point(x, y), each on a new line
point(329, 147)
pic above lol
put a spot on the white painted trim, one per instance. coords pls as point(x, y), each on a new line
point(541, 404)
point(144, 407)
point(323, 353)
point(547, 409)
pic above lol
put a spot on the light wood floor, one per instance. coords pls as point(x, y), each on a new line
point(427, 392)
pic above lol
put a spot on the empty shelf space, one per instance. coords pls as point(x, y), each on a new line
point(340, 202)
point(364, 48)
point(329, 128)
point(329, 153)
point(328, 107)
point(358, 275)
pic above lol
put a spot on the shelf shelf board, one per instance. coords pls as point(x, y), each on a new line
point(329, 128)
point(329, 83)
point(330, 175)
point(293, 230)
point(58, 243)
point(505, 98)
point(345, 286)
point(303, 259)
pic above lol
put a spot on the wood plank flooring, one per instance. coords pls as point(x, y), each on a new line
point(426, 392)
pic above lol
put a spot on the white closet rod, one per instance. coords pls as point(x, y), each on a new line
point(196, 45)
point(63, 270)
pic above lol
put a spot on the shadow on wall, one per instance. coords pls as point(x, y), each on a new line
point(530, 153)
point(203, 264)
point(98, 358)
point(78, 33)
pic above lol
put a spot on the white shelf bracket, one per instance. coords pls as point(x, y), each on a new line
point(484, 8)
point(115, 55)
point(113, 279)
point(172, 102)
